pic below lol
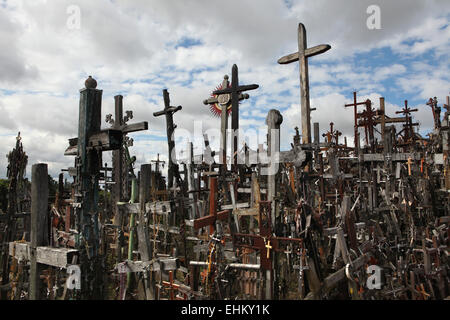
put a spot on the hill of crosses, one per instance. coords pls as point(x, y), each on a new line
point(324, 220)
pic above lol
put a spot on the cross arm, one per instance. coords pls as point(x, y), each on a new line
point(310, 52)
point(167, 110)
point(134, 127)
point(239, 89)
point(211, 219)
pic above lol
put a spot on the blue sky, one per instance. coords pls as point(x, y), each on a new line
point(137, 48)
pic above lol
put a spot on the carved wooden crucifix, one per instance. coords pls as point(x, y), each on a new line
point(235, 92)
point(302, 56)
point(168, 112)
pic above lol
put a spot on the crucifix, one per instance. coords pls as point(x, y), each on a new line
point(168, 112)
point(436, 112)
point(302, 56)
point(235, 92)
point(222, 102)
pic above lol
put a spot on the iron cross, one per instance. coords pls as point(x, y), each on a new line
point(302, 56)
point(235, 91)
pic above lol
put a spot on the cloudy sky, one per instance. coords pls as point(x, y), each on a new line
point(139, 47)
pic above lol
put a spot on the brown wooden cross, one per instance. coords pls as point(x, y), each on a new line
point(235, 92)
point(120, 168)
point(210, 220)
point(302, 56)
point(355, 105)
point(168, 112)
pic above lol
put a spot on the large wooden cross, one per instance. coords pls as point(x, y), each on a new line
point(302, 56)
point(235, 91)
point(168, 112)
point(210, 220)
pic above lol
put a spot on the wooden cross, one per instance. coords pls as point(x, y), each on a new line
point(235, 92)
point(210, 220)
point(383, 119)
point(302, 56)
point(168, 112)
point(224, 102)
point(368, 121)
point(120, 167)
point(409, 166)
point(355, 105)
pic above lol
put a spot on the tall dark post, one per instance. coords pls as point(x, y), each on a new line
point(39, 222)
point(88, 161)
point(119, 189)
point(145, 250)
point(168, 112)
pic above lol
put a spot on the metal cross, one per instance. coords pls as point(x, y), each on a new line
point(302, 56)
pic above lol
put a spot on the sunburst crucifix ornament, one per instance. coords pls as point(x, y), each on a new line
point(218, 102)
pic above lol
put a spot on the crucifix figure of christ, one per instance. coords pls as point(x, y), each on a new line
point(436, 112)
point(302, 56)
point(168, 112)
point(234, 91)
point(120, 190)
point(222, 102)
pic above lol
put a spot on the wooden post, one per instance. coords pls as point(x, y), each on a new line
point(88, 165)
point(383, 118)
point(119, 188)
point(39, 223)
point(144, 247)
point(273, 121)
